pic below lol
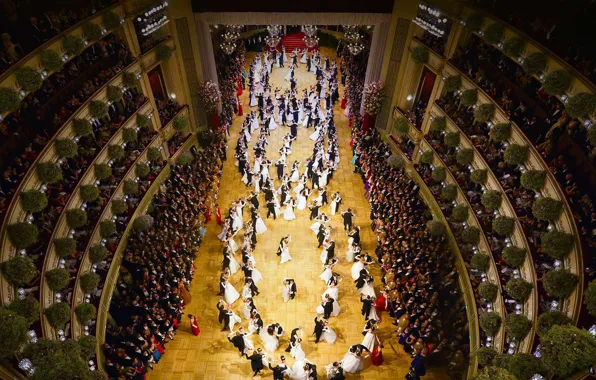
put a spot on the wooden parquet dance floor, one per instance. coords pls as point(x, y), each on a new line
point(210, 355)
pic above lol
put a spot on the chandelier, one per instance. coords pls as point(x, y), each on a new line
point(234, 28)
point(228, 47)
point(355, 47)
point(274, 30)
point(309, 30)
point(231, 36)
point(310, 41)
point(272, 41)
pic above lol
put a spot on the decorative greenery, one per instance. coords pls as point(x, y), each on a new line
point(73, 45)
point(180, 123)
point(438, 174)
point(185, 158)
point(551, 318)
point(87, 344)
point(111, 20)
point(480, 261)
point(27, 308)
point(465, 157)
point(129, 79)
point(504, 225)
point(592, 136)
point(460, 213)
point(494, 373)
point(130, 187)
point(471, 235)
point(402, 126)
point(436, 228)
point(85, 312)
point(53, 359)
point(567, 350)
point(581, 105)
point(500, 132)
point(557, 244)
point(91, 31)
point(102, 171)
point(48, 172)
point(488, 291)
point(533, 179)
point(163, 52)
point(89, 193)
point(153, 154)
point(494, 33)
point(452, 83)
point(452, 139)
point(57, 314)
point(479, 176)
point(518, 326)
point(427, 157)
point(22, 235)
point(107, 228)
point(57, 279)
point(97, 253)
point(9, 100)
point(51, 60)
point(439, 124)
point(514, 46)
point(491, 199)
point(89, 282)
point(519, 289)
point(490, 323)
point(76, 218)
point(524, 366)
point(129, 135)
point(82, 127)
point(143, 222)
point(114, 93)
point(474, 21)
point(98, 109)
point(33, 201)
point(557, 82)
point(516, 154)
point(469, 97)
point(115, 152)
point(449, 192)
point(142, 121)
point(142, 170)
point(65, 148)
point(560, 283)
point(28, 78)
point(65, 246)
point(514, 256)
point(484, 113)
point(590, 298)
point(119, 207)
point(13, 332)
point(485, 356)
point(19, 270)
point(547, 208)
point(534, 63)
point(420, 54)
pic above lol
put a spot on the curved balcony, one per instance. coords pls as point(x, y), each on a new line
point(51, 260)
point(107, 214)
point(476, 278)
point(551, 187)
point(517, 238)
point(150, 59)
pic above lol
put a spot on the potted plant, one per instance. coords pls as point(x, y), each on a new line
point(420, 54)
point(494, 33)
point(517, 326)
point(97, 253)
point(452, 139)
point(142, 121)
point(73, 45)
point(19, 270)
point(22, 235)
point(88, 282)
point(102, 171)
point(460, 213)
point(514, 256)
point(76, 218)
point(581, 105)
point(65, 246)
point(115, 152)
point(13, 333)
point(488, 291)
point(143, 222)
point(535, 63)
point(98, 109)
point(469, 97)
point(519, 289)
point(180, 123)
point(57, 315)
point(551, 318)
point(210, 97)
point(438, 174)
point(91, 31)
point(533, 179)
point(470, 235)
point(480, 261)
point(514, 46)
point(524, 366)
point(28, 78)
point(438, 124)
point(465, 156)
point(142, 170)
point(163, 52)
point(449, 192)
point(490, 322)
point(107, 228)
point(557, 244)
point(479, 176)
point(485, 356)
point(452, 83)
point(27, 308)
point(65, 148)
point(130, 187)
point(402, 126)
point(57, 279)
point(557, 82)
point(547, 208)
point(111, 20)
point(129, 80)
point(119, 207)
point(491, 199)
point(566, 350)
point(114, 93)
point(129, 135)
point(185, 158)
point(51, 60)
point(503, 225)
point(82, 127)
point(9, 100)
point(48, 172)
point(560, 283)
point(484, 113)
point(87, 344)
point(89, 193)
point(33, 201)
point(516, 154)
point(436, 228)
point(500, 132)
point(153, 154)
point(85, 312)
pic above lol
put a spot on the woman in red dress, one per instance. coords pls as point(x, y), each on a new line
point(194, 326)
point(218, 214)
point(207, 214)
point(381, 304)
point(377, 355)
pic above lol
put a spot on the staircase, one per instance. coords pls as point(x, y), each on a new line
point(294, 41)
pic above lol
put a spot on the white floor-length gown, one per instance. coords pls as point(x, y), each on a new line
point(230, 293)
point(329, 335)
point(285, 255)
point(352, 363)
point(260, 226)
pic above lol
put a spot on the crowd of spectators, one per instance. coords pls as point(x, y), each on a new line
point(157, 268)
point(25, 25)
point(167, 109)
point(438, 44)
point(544, 121)
point(564, 28)
point(419, 274)
point(43, 112)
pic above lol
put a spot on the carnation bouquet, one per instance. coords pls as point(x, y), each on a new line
point(210, 96)
point(373, 97)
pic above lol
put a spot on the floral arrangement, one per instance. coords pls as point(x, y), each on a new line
point(210, 96)
point(374, 92)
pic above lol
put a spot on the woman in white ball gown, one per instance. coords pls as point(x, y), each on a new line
point(289, 211)
point(336, 308)
point(233, 265)
point(357, 267)
point(284, 248)
point(328, 270)
point(353, 360)
point(332, 289)
point(328, 335)
point(247, 309)
point(234, 318)
point(368, 288)
point(370, 339)
point(301, 199)
point(230, 293)
point(301, 183)
point(247, 341)
point(296, 350)
point(260, 226)
point(270, 340)
point(295, 175)
point(256, 275)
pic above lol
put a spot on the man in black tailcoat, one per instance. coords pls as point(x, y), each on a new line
point(279, 371)
point(256, 360)
point(293, 129)
point(223, 317)
point(319, 325)
point(238, 341)
point(314, 210)
point(294, 337)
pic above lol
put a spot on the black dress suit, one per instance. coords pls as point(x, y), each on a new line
point(314, 211)
point(255, 201)
point(328, 309)
point(256, 362)
point(293, 338)
point(238, 342)
point(278, 371)
point(319, 328)
point(223, 317)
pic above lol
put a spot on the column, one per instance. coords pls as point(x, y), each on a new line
point(375, 57)
point(206, 51)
